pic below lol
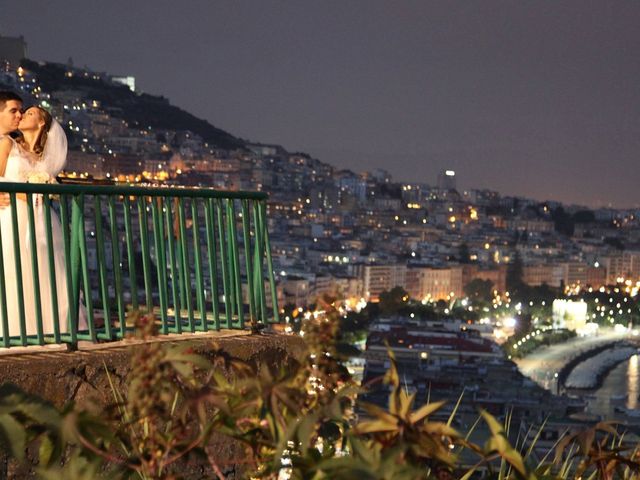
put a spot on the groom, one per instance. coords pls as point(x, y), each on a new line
point(10, 112)
point(10, 115)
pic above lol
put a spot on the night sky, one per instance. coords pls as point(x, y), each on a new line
point(534, 98)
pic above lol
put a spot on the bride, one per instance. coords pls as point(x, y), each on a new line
point(37, 157)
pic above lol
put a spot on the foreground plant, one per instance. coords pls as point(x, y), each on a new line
point(292, 421)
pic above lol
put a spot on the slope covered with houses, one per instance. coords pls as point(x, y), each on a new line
point(335, 230)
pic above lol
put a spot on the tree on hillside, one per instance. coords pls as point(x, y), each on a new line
point(393, 300)
point(614, 242)
point(584, 216)
point(563, 222)
point(514, 274)
point(479, 290)
point(463, 253)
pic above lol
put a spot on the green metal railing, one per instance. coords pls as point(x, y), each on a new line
point(199, 259)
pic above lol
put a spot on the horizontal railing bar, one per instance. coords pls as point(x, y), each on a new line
point(186, 192)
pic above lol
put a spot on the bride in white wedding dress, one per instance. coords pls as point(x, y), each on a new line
point(37, 158)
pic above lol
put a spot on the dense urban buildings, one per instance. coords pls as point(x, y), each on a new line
point(337, 231)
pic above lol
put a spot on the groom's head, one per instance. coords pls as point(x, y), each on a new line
point(10, 112)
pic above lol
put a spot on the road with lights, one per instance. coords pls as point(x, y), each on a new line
point(543, 365)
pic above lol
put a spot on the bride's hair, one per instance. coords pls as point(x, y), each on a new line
point(41, 141)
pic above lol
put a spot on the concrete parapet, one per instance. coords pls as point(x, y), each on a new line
point(80, 376)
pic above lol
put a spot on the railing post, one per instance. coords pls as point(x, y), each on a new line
point(115, 262)
point(175, 274)
point(18, 268)
point(6, 335)
point(235, 261)
point(53, 287)
point(246, 228)
point(128, 230)
point(146, 260)
point(198, 265)
point(184, 263)
point(71, 272)
point(228, 309)
point(213, 259)
point(161, 262)
point(35, 272)
point(78, 206)
point(258, 276)
point(267, 245)
point(102, 269)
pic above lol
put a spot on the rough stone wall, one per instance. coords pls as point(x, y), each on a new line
point(80, 376)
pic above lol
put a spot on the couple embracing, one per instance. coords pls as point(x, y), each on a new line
point(37, 155)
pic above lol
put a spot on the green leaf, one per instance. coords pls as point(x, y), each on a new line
point(15, 435)
point(363, 449)
point(425, 411)
point(306, 429)
point(515, 459)
point(178, 355)
point(499, 443)
point(45, 452)
point(492, 423)
point(441, 429)
point(391, 377)
point(455, 409)
point(380, 413)
point(405, 403)
point(375, 426)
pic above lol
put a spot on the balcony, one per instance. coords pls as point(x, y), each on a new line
point(198, 258)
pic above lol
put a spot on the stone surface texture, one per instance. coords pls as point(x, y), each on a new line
point(80, 376)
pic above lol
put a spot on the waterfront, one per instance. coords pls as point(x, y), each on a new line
point(543, 365)
point(619, 389)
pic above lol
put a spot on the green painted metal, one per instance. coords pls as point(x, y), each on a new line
point(6, 336)
point(212, 259)
point(246, 227)
point(158, 237)
point(18, 267)
point(55, 307)
point(262, 209)
point(102, 269)
point(174, 269)
point(200, 287)
point(235, 264)
point(70, 272)
point(184, 263)
point(146, 254)
point(35, 272)
point(191, 246)
point(116, 266)
point(133, 277)
point(79, 231)
point(228, 312)
point(259, 260)
point(133, 191)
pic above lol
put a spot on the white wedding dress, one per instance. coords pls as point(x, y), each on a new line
point(20, 166)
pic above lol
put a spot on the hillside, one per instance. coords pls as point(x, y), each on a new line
point(141, 110)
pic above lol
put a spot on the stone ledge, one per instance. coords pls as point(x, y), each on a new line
point(79, 376)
